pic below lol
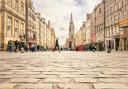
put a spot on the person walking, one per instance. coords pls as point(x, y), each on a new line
point(57, 48)
point(94, 48)
point(109, 47)
point(10, 46)
point(16, 46)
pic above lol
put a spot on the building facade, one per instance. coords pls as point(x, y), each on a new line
point(83, 33)
point(112, 16)
point(99, 26)
point(92, 27)
point(12, 21)
point(109, 22)
point(88, 29)
point(40, 30)
point(53, 38)
point(123, 25)
point(30, 23)
point(78, 38)
point(50, 36)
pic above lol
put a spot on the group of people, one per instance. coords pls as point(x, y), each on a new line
point(15, 46)
point(35, 48)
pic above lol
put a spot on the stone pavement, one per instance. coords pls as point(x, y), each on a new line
point(65, 70)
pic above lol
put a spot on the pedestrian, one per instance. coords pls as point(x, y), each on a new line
point(94, 48)
point(109, 49)
point(16, 46)
point(38, 48)
point(32, 47)
point(10, 46)
point(57, 46)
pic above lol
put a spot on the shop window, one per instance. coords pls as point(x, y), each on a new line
point(126, 44)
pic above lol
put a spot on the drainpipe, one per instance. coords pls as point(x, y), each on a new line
point(26, 23)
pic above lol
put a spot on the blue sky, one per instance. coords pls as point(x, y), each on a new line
point(59, 11)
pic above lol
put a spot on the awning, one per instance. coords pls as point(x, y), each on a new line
point(123, 23)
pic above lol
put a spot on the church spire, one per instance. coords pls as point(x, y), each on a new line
point(71, 19)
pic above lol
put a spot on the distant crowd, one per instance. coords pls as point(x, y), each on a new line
point(16, 46)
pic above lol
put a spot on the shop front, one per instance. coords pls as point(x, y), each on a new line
point(123, 34)
point(100, 45)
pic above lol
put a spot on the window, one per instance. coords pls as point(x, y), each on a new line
point(108, 32)
point(16, 30)
point(22, 28)
point(115, 7)
point(100, 11)
point(9, 26)
point(17, 5)
point(34, 36)
point(9, 2)
point(22, 8)
point(119, 4)
point(108, 22)
point(112, 32)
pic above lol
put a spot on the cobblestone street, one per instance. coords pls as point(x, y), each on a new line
point(64, 70)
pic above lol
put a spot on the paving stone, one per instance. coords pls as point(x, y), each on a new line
point(72, 76)
point(115, 72)
point(7, 86)
point(12, 76)
point(56, 80)
point(25, 73)
point(110, 86)
point(73, 86)
point(85, 80)
point(114, 80)
point(35, 86)
point(64, 68)
point(3, 80)
point(104, 76)
point(24, 80)
point(42, 76)
point(4, 73)
point(54, 73)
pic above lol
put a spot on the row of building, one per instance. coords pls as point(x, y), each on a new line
point(106, 26)
point(19, 21)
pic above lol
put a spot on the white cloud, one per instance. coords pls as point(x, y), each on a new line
point(58, 12)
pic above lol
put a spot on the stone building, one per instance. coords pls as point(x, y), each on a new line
point(78, 38)
point(50, 36)
point(123, 25)
point(112, 16)
point(53, 38)
point(42, 33)
point(12, 21)
point(92, 27)
point(83, 33)
point(30, 23)
point(88, 29)
point(99, 26)
point(40, 30)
